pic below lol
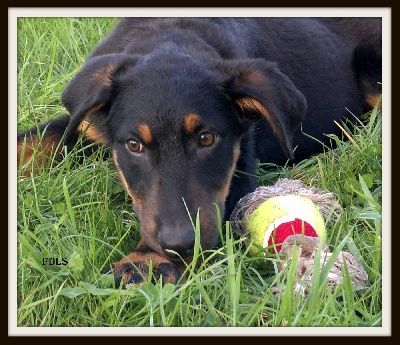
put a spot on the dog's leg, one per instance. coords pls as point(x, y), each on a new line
point(367, 65)
point(365, 36)
point(244, 180)
point(136, 267)
point(37, 145)
point(42, 141)
point(367, 58)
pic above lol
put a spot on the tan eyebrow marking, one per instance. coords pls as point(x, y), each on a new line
point(191, 121)
point(145, 133)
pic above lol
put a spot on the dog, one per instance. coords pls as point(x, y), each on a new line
point(187, 105)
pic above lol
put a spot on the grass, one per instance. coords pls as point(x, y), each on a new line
point(81, 213)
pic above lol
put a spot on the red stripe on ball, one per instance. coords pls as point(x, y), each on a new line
point(284, 230)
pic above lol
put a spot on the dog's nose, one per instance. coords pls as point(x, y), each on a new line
point(181, 242)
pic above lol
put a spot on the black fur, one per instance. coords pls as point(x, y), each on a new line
point(184, 102)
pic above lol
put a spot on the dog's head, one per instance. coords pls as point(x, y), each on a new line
point(174, 125)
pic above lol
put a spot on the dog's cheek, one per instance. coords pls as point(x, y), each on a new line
point(148, 218)
point(148, 230)
point(222, 193)
point(148, 215)
point(208, 215)
point(136, 196)
point(208, 228)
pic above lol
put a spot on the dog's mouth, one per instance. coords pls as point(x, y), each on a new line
point(175, 256)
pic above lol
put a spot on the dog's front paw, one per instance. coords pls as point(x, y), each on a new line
point(136, 268)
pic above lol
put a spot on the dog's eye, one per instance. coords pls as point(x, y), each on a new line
point(206, 139)
point(134, 146)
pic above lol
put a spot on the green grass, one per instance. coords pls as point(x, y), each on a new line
point(83, 214)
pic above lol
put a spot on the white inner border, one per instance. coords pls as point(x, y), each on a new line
point(14, 13)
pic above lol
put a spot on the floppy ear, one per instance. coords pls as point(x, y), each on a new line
point(261, 90)
point(91, 90)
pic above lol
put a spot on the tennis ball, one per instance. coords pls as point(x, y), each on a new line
point(279, 217)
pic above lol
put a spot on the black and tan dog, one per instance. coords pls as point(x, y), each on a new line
point(183, 103)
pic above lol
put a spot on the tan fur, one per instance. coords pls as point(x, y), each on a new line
point(40, 149)
point(191, 121)
point(91, 132)
point(145, 133)
point(223, 193)
point(372, 100)
point(136, 199)
point(102, 76)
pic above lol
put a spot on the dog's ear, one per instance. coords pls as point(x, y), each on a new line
point(91, 89)
point(260, 89)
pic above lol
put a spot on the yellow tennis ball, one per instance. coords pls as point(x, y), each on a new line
point(282, 216)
